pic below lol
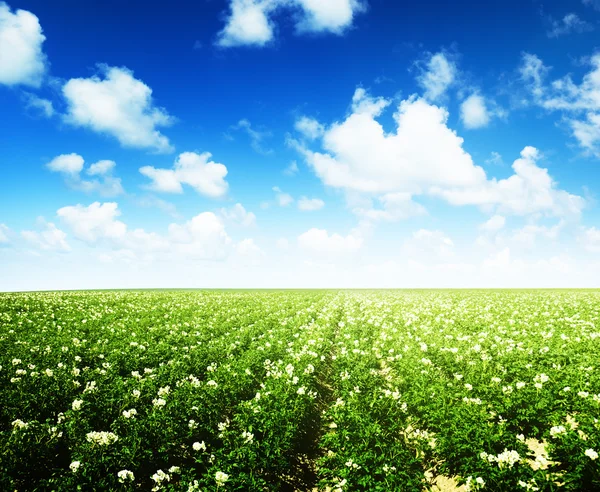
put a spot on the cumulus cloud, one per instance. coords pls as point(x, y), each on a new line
point(530, 190)
point(239, 215)
point(50, 238)
point(436, 76)
point(71, 166)
point(579, 103)
point(115, 103)
point(360, 156)
point(192, 169)
point(250, 21)
point(321, 242)
point(310, 204)
point(203, 237)
point(98, 220)
point(22, 61)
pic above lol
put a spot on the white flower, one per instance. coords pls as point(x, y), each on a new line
point(164, 391)
point(128, 414)
point(125, 475)
point(212, 383)
point(174, 469)
point(19, 424)
point(192, 424)
point(160, 476)
point(468, 386)
point(136, 393)
point(199, 446)
point(77, 405)
point(49, 372)
point(583, 394)
point(247, 436)
point(301, 390)
point(101, 438)
point(591, 454)
point(74, 466)
point(159, 402)
point(221, 478)
point(16, 362)
point(557, 430)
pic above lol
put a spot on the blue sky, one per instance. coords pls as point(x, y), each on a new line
point(299, 143)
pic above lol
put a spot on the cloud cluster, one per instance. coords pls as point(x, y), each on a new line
point(360, 156)
point(117, 104)
point(250, 22)
point(103, 182)
point(22, 60)
point(203, 237)
point(192, 169)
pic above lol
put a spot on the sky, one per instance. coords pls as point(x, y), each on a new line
point(299, 144)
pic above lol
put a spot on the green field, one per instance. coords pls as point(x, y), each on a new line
point(300, 390)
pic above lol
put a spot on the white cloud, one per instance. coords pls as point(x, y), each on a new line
point(437, 75)
point(360, 156)
point(101, 168)
point(590, 239)
point(49, 239)
point(321, 242)
point(568, 24)
point(249, 21)
point(4, 234)
point(71, 165)
point(22, 60)
point(494, 224)
point(579, 103)
point(118, 105)
point(283, 199)
point(309, 127)
point(248, 24)
point(193, 169)
point(332, 16)
point(93, 222)
point(531, 190)
point(474, 112)
point(202, 238)
point(38, 105)
point(310, 204)
point(66, 164)
point(239, 215)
